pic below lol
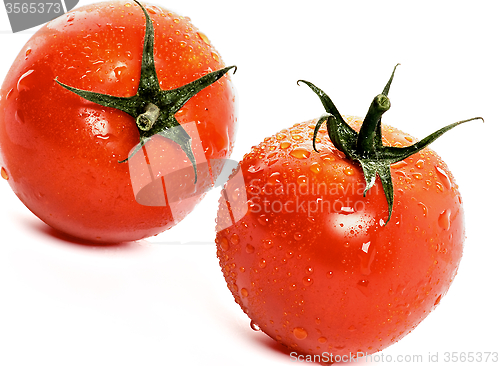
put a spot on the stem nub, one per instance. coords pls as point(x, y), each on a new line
point(146, 120)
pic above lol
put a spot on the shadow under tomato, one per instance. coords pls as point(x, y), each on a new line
point(48, 231)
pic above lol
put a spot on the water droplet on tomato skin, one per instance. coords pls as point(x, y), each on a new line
point(244, 292)
point(443, 177)
point(300, 153)
point(21, 83)
point(4, 174)
point(254, 326)
point(348, 170)
point(300, 333)
point(444, 220)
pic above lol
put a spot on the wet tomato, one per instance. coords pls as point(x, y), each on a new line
point(325, 252)
point(97, 88)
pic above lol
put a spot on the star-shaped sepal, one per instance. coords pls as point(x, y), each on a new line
point(153, 108)
point(366, 146)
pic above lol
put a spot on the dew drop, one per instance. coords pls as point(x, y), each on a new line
point(420, 164)
point(444, 220)
point(285, 145)
point(300, 333)
point(322, 340)
point(263, 220)
point(424, 208)
point(274, 178)
point(28, 52)
point(20, 86)
point(4, 174)
point(348, 170)
point(203, 37)
point(262, 263)
point(315, 168)
point(443, 177)
point(235, 239)
point(244, 292)
point(254, 326)
point(215, 56)
point(268, 243)
point(300, 153)
point(438, 300)
point(224, 244)
point(307, 281)
point(249, 249)
point(297, 236)
point(352, 328)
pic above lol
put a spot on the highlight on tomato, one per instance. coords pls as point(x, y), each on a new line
point(349, 232)
point(115, 119)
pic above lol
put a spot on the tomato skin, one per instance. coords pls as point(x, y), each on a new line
point(62, 153)
point(333, 277)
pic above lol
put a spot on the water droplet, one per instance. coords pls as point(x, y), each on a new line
point(352, 328)
point(420, 164)
point(235, 239)
point(348, 170)
point(249, 249)
point(417, 176)
point(263, 219)
point(244, 292)
point(9, 94)
point(315, 168)
point(424, 208)
point(297, 236)
point(268, 243)
point(307, 281)
point(4, 174)
point(215, 56)
point(254, 169)
point(203, 37)
point(262, 263)
point(300, 333)
point(443, 177)
point(20, 85)
point(302, 179)
point(438, 300)
point(399, 164)
point(274, 178)
point(367, 258)
point(300, 153)
point(285, 145)
point(254, 326)
point(28, 52)
point(70, 18)
point(119, 70)
point(322, 340)
point(444, 220)
point(224, 244)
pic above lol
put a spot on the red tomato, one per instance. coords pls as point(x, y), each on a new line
point(61, 153)
point(316, 264)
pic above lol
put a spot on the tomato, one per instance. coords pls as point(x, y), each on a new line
point(79, 163)
point(323, 258)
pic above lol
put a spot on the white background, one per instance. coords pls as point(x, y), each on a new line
point(163, 301)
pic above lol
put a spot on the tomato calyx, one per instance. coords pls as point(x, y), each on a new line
point(152, 107)
point(366, 146)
